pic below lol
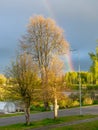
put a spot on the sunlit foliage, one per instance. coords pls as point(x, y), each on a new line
point(43, 39)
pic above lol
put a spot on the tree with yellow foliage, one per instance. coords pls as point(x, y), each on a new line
point(55, 82)
point(43, 39)
point(2, 86)
point(23, 82)
point(94, 66)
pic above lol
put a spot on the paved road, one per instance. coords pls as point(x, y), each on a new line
point(67, 112)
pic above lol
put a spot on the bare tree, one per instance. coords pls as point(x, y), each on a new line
point(43, 39)
point(23, 81)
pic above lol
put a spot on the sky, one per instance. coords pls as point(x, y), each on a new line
point(78, 19)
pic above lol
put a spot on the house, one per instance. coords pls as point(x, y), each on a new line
point(7, 107)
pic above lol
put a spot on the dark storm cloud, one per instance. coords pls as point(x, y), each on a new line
point(5, 57)
point(78, 18)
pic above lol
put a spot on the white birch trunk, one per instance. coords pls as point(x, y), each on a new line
point(55, 108)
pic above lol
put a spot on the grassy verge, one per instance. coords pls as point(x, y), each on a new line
point(47, 122)
point(15, 114)
point(11, 114)
point(83, 126)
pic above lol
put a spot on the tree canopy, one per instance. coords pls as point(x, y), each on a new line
point(94, 66)
point(43, 40)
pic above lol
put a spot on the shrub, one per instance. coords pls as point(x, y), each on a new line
point(62, 104)
point(65, 103)
point(95, 102)
point(75, 103)
point(37, 106)
point(74, 97)
point(92, 87)
point(87, 101)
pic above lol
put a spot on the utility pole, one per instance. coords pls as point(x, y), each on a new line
point(79, 83)
point(80, 96)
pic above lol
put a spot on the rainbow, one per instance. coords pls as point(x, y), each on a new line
point(68, 62)
point(49, 8)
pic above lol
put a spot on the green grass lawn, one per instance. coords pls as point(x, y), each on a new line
point(11, 114)
point(83, 126)
point(47, 122)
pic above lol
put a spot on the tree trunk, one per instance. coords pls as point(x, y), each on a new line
point(27, 115)
point(46, 105)
point(44, 87)
point(55, 108)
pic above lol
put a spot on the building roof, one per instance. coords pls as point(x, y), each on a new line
point(2, 105)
